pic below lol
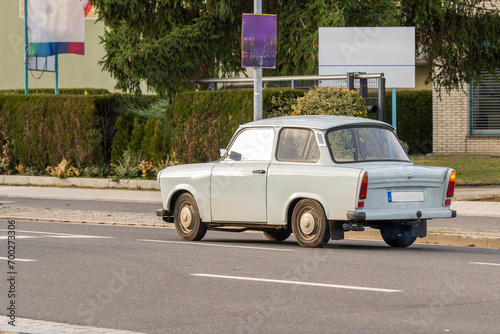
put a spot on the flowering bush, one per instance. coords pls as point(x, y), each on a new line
point(330, 101)
point(63, 170)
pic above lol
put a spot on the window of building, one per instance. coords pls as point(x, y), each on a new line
point(485, 106)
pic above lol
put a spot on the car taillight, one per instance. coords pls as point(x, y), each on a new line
point(364, 187)
point(363, 191)
point(451, 185)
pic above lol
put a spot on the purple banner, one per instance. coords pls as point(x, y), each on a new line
point(258, 40)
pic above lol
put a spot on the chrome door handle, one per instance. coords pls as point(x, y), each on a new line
point(259, 171)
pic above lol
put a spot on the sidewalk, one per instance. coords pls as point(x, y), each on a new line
point(448, 236)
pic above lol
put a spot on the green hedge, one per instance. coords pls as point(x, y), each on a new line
point(70, 91)
point(203, 122)
point(414, 118)
point(37, 130)
point(44, 129)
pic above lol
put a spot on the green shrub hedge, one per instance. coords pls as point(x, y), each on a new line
point(70, 91)
point(414, 118)
point(203, 122)
point(92, 131)
point(44, 129)
point(38, 130)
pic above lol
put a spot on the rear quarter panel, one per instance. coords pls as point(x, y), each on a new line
point(336, 188)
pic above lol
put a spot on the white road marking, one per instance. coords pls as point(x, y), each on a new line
point(5, 237)
point(218, 245)
point(78, 236)
point(299, 283)
point(59, 235)
point(486, 263)
point(24, 325)
point(17, 260)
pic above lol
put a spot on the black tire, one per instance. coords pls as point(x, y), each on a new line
point(187, 219)
point(277, 235)
point(397, 235)
point(309, 224)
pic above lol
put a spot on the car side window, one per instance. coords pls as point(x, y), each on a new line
point(297, 145)
point(252, 145)
point(342, 145)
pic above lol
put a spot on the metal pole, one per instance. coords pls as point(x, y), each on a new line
point(394, 109)
point(350, 81)
point(26, 47)
point(57, 74)
point(257, 83)
point(381, 99)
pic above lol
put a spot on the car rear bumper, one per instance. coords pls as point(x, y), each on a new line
point(165, 215)
point(400, 215)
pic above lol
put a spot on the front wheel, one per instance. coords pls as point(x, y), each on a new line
point(397, 235)
point(187, 219)
point(309, 224)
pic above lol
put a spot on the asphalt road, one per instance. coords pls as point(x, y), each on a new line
point(146, 279)
point(460, 222)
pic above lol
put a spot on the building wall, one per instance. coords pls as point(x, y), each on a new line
point(421, 71)
point(75, 71)
point(451, 125)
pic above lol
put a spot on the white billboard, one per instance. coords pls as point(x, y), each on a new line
point(388, 50)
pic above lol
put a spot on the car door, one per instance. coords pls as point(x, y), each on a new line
point(239, 181)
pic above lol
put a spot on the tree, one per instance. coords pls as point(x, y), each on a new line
point(168, 43)
point(298, 23)
point(460, 39)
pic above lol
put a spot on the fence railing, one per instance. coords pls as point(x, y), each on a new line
point(371, 87)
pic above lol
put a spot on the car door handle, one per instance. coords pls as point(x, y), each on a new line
point(259, 171)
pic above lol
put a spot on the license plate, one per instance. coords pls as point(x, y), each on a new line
point(405, 196)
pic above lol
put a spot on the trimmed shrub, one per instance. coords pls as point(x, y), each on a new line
point(41, 130)
point(137, 136)
point(330, 101)
point(120, 140)
point(204, 122)
point(66, 91)
point(44, 129)
point(414, 118)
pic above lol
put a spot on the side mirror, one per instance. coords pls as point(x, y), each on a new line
point(223, 153)
point(235, 156)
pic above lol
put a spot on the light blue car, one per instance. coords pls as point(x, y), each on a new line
point(313, 176)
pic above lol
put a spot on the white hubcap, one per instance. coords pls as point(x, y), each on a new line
point(186, 217)
point(307, 223)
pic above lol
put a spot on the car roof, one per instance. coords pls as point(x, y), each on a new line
point(314, 121)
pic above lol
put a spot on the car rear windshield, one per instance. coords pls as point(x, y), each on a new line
point(360, 144)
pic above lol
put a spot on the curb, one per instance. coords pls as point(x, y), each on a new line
point(81, 182)
point(437, 238)
point(432, 238)
point(76, 221)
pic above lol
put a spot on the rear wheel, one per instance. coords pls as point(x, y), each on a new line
point(187, 218)
point(309, 224)
point(277, 235)
point(397, 235)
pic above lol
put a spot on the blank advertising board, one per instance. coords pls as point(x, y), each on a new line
point(388, 50)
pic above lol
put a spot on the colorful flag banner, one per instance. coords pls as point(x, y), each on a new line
point(56, 26)
point(258, 40)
